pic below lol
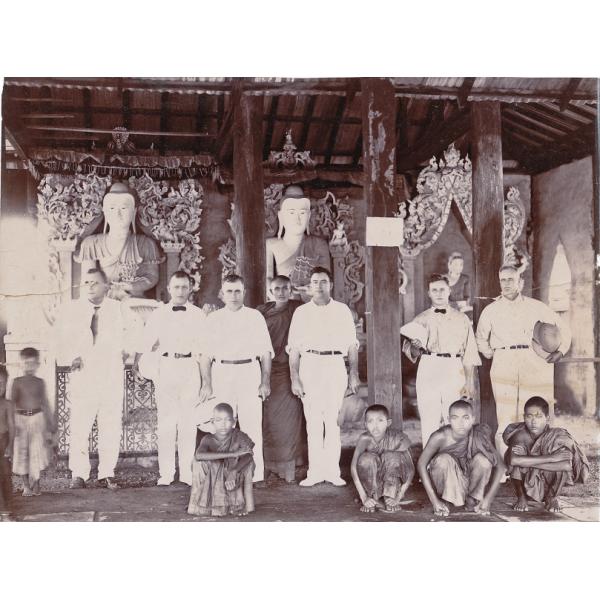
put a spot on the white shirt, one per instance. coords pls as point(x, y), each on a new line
point(505, 323)
point(236, 335)
point(74, 333)
point(449, 333)
point(179, 331)
point(322, 327)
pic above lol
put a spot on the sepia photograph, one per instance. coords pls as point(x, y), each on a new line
point(299, 299)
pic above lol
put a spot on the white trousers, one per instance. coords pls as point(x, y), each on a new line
point(177, 387)
point(440, 382)
point(325, 380)
point(237, 385)
point(96, 393)
point(516, 376)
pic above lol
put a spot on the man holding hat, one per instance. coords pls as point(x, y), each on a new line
point(444, 336)
point(505, 333)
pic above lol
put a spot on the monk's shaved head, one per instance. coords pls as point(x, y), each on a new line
point(377, 408)
point(223, 407)
point(461, 405)
point(537, 402)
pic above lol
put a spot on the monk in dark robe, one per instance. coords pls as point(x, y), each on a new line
point(457, 461)
point(382, 467)
point(282, 412)
point(222, 470)
point(542, 459)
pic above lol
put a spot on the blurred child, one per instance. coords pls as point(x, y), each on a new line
point(7, 436)
point(34, 424)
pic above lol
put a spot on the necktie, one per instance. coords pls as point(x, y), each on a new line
point(94, 323)
point(176, 308)
point(442, 311)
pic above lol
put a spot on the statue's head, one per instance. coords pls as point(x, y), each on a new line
point(294, 211)
point(118, 207)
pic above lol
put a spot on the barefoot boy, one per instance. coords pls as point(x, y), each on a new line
point(541, 459)
point(456, 464)
point(223, 469)
point(34, 424)
point(381, 466)
point(7, 437)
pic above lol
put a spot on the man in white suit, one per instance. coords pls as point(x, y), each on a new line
point(91, 339)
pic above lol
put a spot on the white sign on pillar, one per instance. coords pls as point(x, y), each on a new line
point(386, 232)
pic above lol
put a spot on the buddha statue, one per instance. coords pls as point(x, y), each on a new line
point(294, 252)
point(130, 260)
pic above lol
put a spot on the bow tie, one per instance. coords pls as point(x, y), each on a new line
point(440, 310)
point(176, 308)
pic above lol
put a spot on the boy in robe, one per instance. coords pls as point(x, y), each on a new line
point(222, 470)
point(382, 467)
point(457, 461)
point(542, 459)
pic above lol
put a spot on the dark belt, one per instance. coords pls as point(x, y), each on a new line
point(28, 413)
point(516, 347)
point(325, 352)
point(443, 354)
point(242, 361)
point(177, 355)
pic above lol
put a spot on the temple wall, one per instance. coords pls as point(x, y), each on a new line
point(562, 208)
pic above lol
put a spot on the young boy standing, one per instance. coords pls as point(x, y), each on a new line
point(542, 459)
point(456, 464)
point(7, 437)
point(34, 424)
point(381, 465)
point(223, 469)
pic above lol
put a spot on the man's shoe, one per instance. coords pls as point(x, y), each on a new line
point(163, 481)
point(337, 481)
point(309, 482)
point(109, 483)
point(77, 483)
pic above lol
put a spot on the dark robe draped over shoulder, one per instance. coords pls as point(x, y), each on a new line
point(551, 441)
point(479, 440)
point(282, 412)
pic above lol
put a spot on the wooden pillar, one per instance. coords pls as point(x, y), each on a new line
point(249, 194)
point(488, 225)
point(382, 295)
point(596, 238)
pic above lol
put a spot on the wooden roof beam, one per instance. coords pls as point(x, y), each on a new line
point(534, 125)
point(435, 141)
point(14, 143)
point(569, 91)
point(110, 131)
point(339, 113)
point(531, 111)
point(464, 91)
point(224, 142)
point(270, 118)
point(307, 118)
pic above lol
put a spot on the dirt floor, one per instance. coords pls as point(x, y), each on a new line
point(140, 500)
